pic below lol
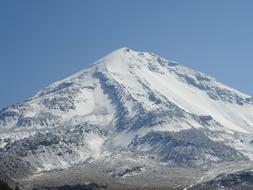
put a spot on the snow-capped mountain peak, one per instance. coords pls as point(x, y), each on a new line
point(129, 100)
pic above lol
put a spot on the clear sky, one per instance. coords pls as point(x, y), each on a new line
point(48, 40)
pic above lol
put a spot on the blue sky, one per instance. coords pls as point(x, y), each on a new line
point(45, 41)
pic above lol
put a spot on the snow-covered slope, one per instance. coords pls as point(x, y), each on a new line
point(129, 100)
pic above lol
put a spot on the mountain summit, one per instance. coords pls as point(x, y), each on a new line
point(130, 114)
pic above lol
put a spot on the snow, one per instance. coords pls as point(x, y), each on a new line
point(95, 143)
point(147, 82)
point(192, 100)
point(234, 117)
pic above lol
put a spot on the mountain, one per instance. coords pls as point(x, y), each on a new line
point(131, 115)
